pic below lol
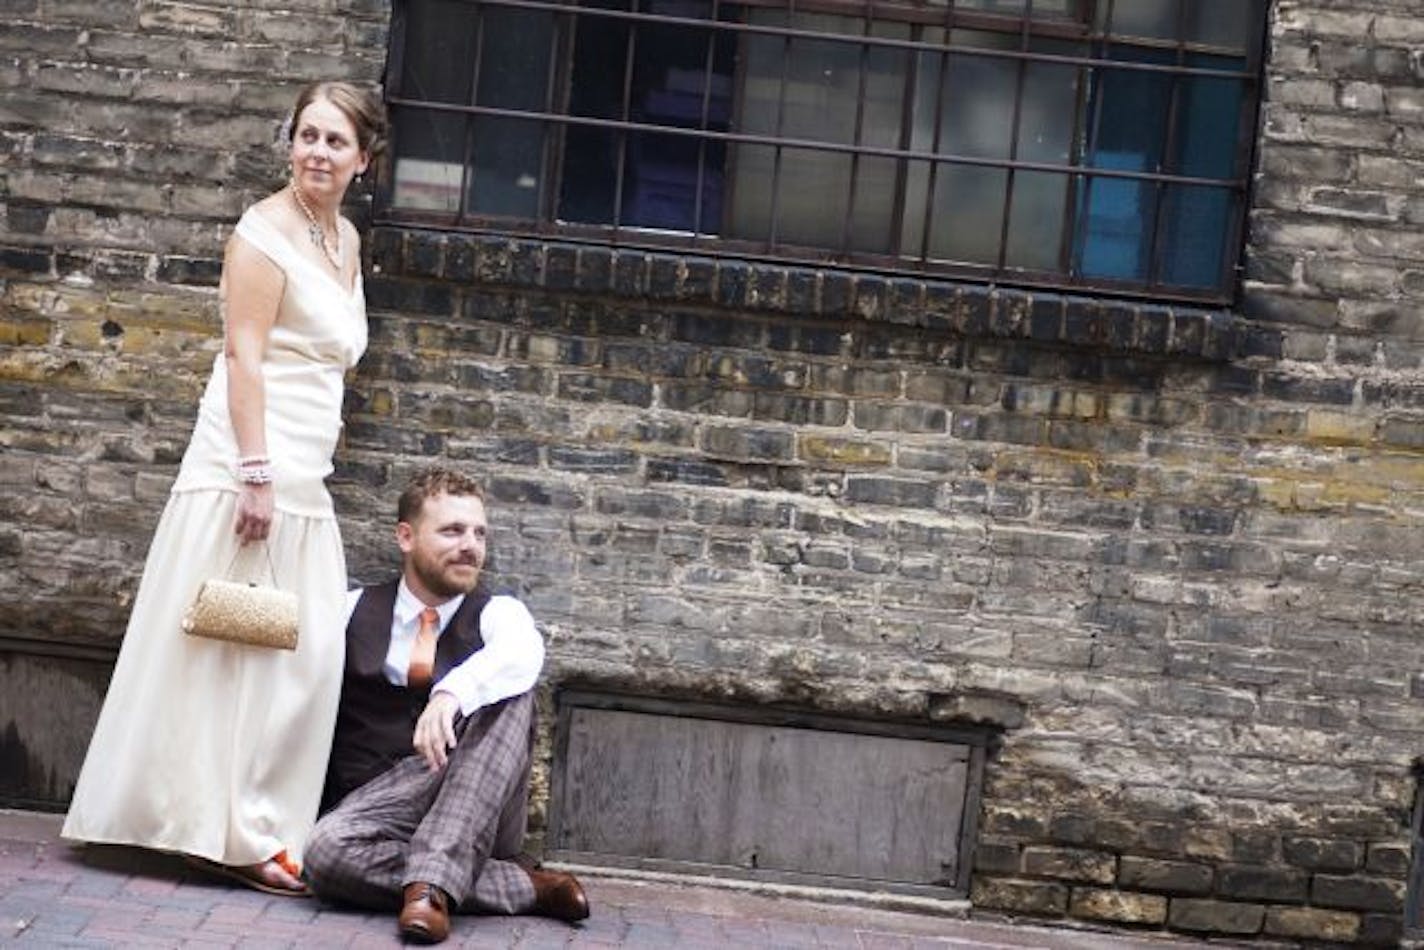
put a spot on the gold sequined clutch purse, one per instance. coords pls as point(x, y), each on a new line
point(241, 612)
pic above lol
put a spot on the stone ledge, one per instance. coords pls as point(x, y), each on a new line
point(957, 307)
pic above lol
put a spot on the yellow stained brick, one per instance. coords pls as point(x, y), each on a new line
point(55, 300)
point(22, 332)
point(1323, 425)
point(1396, 469)
point(1353, 492)
point(85, 334)
point(382, 403)
point(44, 366)
point(196, 312)
point(428, 336)
point(843, 451)
point(1312, 923)
point(136, 377)
point(142, 339)
point(1122, 906)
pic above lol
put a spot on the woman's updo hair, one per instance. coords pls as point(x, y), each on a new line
point(366, 112)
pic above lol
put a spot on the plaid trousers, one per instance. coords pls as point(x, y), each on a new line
point(455, 828)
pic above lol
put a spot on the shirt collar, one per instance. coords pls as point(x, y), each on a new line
point(408, 606)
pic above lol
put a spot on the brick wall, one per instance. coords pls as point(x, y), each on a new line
point(1172, 554)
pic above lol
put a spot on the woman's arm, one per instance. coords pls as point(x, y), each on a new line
point(252, 291)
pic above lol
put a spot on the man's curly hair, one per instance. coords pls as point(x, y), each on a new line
point(429, 482)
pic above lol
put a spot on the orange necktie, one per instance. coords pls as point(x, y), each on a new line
point(422, 654)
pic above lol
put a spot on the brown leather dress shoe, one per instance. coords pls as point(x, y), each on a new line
point(425, 918)
point(558, 895)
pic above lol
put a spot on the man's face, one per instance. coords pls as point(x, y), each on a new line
point(444, 546)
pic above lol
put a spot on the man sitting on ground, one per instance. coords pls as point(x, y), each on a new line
point(435, 663)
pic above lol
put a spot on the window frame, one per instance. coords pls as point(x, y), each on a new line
point(568, 14)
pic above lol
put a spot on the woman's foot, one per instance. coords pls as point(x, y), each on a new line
point(277, 875)
point(274, 876)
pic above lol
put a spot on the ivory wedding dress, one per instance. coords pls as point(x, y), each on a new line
point(216, 749)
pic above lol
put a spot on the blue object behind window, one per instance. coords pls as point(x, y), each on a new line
point(1118, 218)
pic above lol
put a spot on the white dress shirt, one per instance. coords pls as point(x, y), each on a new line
point(506, 666)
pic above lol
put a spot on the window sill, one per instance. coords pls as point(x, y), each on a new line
point(957, 308)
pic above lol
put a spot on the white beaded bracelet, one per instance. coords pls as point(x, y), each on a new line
point(254, 474)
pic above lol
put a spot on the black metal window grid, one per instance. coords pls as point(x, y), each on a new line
point(1101, 144)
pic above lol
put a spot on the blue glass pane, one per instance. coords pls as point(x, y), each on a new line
point(1117, 217)
point(1209, 118)
point(1195, 224)
point(1116, 222)
point(1195, 220)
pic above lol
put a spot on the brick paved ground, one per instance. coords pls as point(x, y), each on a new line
point(54, 896)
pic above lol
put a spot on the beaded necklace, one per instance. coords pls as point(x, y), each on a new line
point(315, 231)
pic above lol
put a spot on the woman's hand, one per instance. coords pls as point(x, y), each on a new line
point(255, 504)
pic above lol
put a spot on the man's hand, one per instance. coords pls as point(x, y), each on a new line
point(435, 732)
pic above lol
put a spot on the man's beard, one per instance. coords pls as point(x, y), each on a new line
point(433, 578)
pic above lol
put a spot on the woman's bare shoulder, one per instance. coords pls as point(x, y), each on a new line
point(277, 211)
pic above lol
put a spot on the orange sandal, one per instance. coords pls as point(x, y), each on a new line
point(285, 862)
point(251, 875)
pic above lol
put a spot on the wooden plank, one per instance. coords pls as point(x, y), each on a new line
point(42, 740)
point(761, 798)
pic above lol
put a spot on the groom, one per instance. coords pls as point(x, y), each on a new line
point(436, 666)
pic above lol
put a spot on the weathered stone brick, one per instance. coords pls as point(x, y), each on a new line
point(889, 491)
point(1380, 930)
point(580, 459)
point(748, 444)
point(1321, 854)
point(691, 471)
point(1039, 898)
point(589, 388)
point(1405, 432)
point(992, 857)
point(800, 410)
point(1121, 907)
point(1357, 892)
point(1070, 864)
point(1390, 858)
point(899, 417)
point(838, 451)
point(705, 398)
point(1311, 923)
point(1207, 916)
point(1260, 883)
point(1173, 877)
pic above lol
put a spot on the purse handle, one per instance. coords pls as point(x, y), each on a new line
point(271, 568)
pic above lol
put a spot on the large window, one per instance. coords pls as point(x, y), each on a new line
point(1098, 143)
